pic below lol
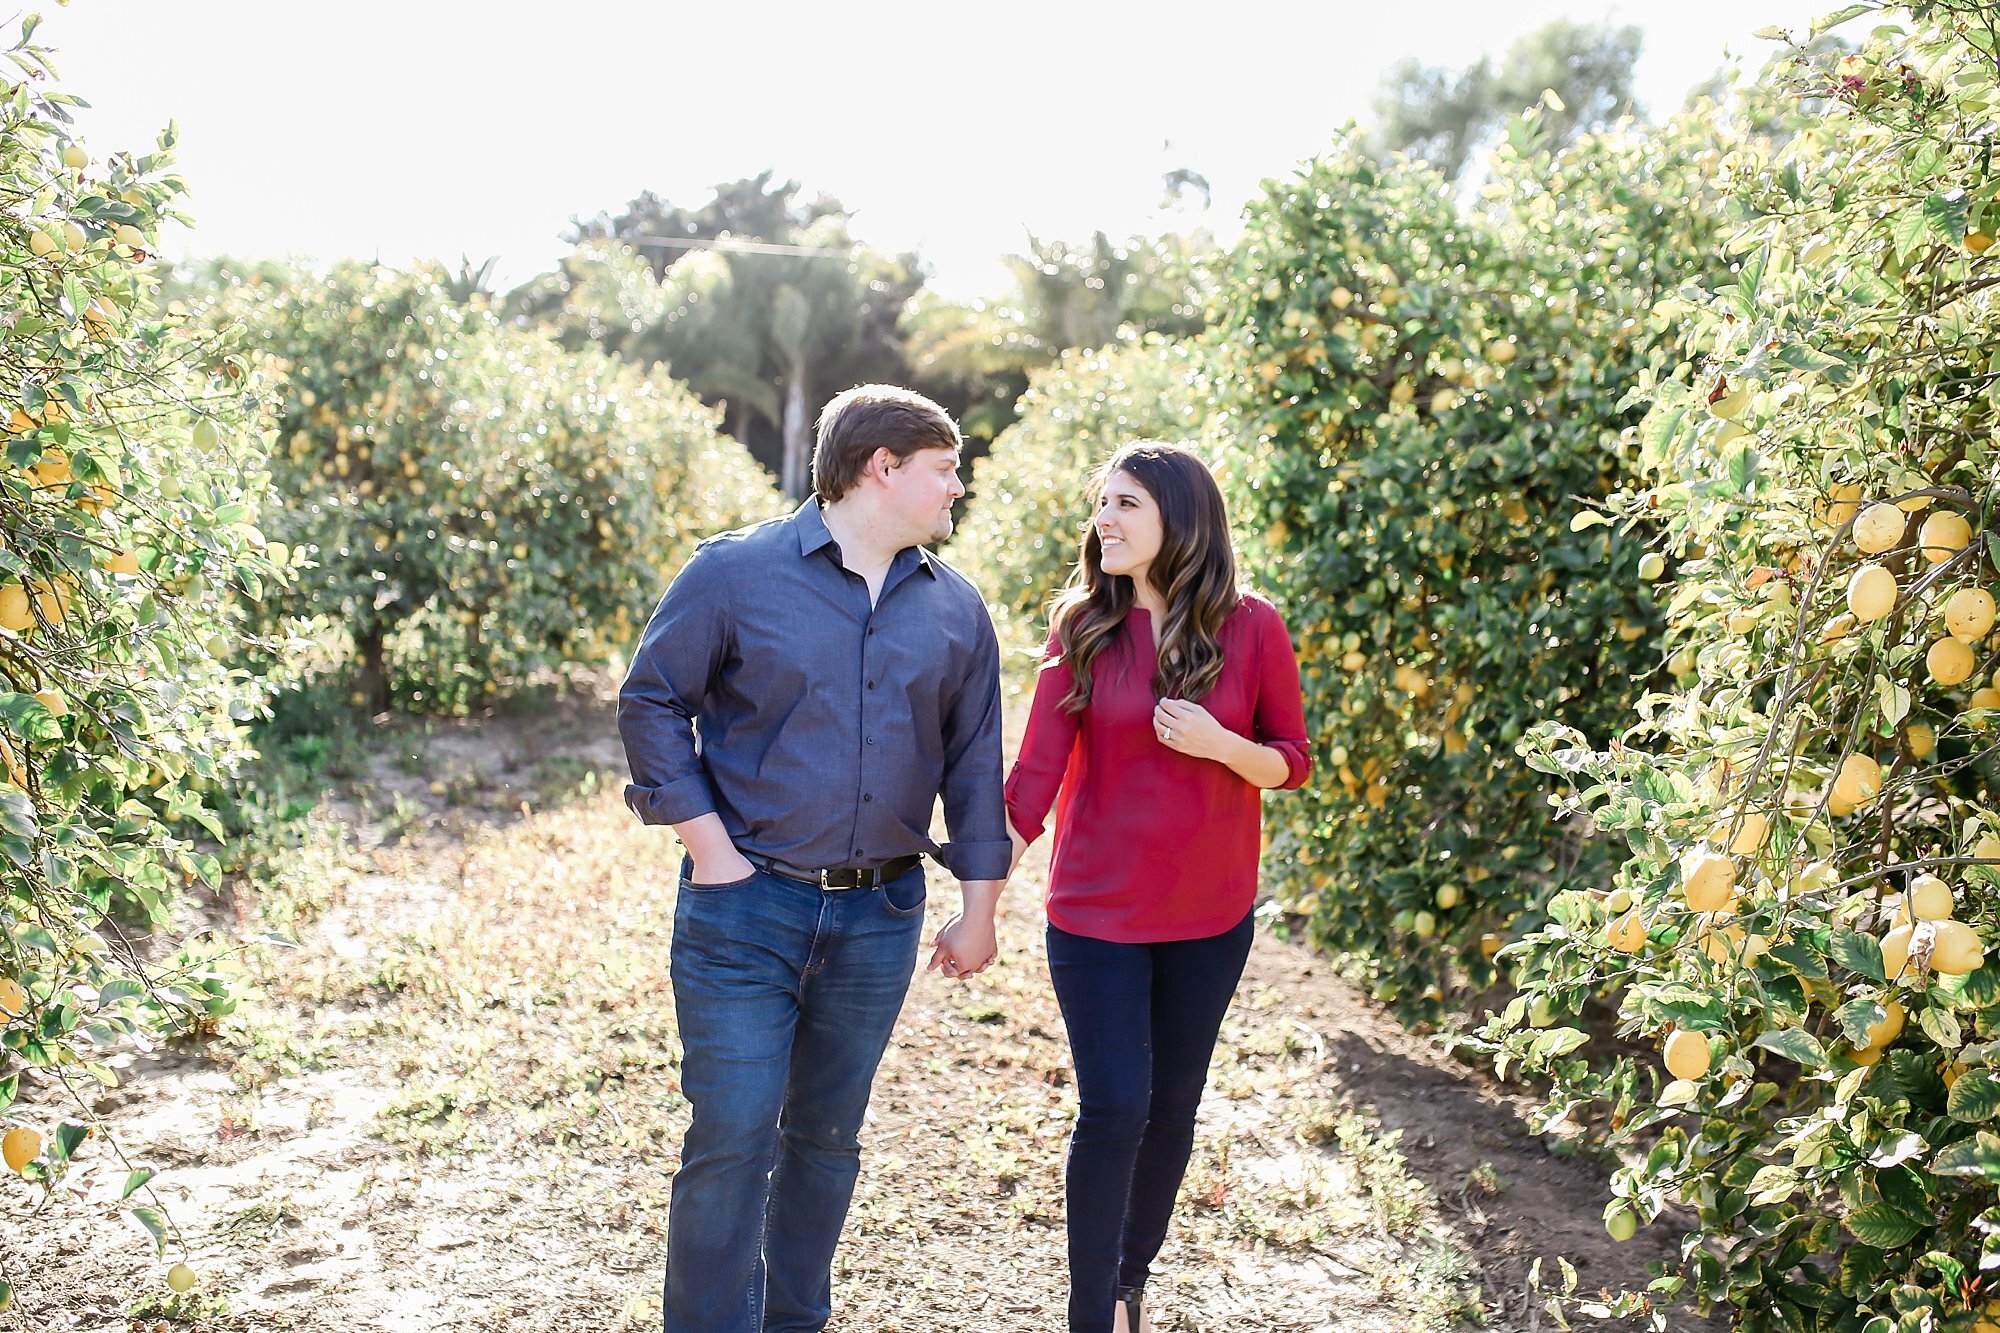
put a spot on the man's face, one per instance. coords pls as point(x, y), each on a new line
point(922, 489)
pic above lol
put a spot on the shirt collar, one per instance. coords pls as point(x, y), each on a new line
point(814, 536)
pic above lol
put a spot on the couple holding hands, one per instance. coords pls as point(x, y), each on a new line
point(807, 690)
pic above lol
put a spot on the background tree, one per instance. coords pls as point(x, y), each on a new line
point(1446, 116)
point(766, 306)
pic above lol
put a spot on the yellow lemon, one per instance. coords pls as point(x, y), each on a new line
point(20, 1146)
point(1943, 535)
point(1871, 593)
point(52, 603)
point(1859, 780)
point(14, 610)
point(1956, 949)
point(1949, 661)
point(1628, 933)
point(180, 1277)
point(1879, 528)
point(1896, 951)
point(1707, 880)
point(1842, 499)
point(1621, 1226)
point(13, 997)
point(1751, 836)
point(1968, 613)
point(1930, 898)
point(1922, 740)
point(1882, 1033)
point(1687, 1055)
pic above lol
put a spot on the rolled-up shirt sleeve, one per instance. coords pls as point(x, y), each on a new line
point(679, 656)
point(975, 812)
point(1045, 748)
point(1280, 718)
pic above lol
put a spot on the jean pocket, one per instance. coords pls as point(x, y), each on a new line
point(689, 886)
point(905, 895)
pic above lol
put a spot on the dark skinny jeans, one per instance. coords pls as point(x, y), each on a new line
point(1142, 1022)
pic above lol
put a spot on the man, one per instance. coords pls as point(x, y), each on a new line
point(805, 692)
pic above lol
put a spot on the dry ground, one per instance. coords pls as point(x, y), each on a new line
point(455, 1106)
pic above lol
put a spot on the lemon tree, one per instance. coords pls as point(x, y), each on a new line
point(131, 490)
point(473, 503)
point(1810, 865)
point(1419, 393)
point(1029, 505)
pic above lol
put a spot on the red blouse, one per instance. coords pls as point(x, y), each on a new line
point(1152, 844)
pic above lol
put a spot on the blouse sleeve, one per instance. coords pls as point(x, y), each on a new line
point(1045, 747)
point(1280, 718)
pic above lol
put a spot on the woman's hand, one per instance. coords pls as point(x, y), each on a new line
point(1190, 729)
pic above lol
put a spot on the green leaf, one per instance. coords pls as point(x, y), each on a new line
point(1907, 1189)
point(1813, 362)
point(136, 1181)
point(1976, 1158)
point(1857, 1016)
point(1882, 1226)
point(1909, 230)
point(1941, 1026)
point(1772, 1184)
point(1945, 217)
point(1974, 1097)
point(1794, 1044)
point(1860, 954)
point(69, 1137)
point(150, 1219)
point(1839, 16)
point(1897, 1150)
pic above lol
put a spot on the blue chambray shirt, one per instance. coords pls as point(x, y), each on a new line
point(822, 731)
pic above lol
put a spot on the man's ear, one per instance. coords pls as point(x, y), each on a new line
point(881, 463)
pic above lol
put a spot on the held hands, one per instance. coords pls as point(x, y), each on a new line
point(1189, 729)
point(965, 947)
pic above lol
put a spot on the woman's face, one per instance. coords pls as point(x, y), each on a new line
point(1128, 527)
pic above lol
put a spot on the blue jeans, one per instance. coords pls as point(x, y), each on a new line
point(785, 995)
point(1142, 1022)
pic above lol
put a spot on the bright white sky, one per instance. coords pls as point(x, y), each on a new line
point(429, 128)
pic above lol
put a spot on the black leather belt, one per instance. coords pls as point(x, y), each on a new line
point(839, 877)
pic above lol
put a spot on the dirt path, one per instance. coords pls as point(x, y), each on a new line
point(456, 1107)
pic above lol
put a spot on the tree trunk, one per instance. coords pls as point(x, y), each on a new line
point(374, 682)
point(798, 445)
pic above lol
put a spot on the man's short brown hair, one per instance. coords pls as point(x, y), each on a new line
point(868, 417)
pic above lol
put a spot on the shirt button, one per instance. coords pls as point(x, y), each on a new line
point(871, 684)
point(871, 740)
point(859, 852)
point(867, 795)
point(871, 629)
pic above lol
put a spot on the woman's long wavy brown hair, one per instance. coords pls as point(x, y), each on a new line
point(1195, 572)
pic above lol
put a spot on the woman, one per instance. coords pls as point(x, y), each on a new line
point(1167, 701)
